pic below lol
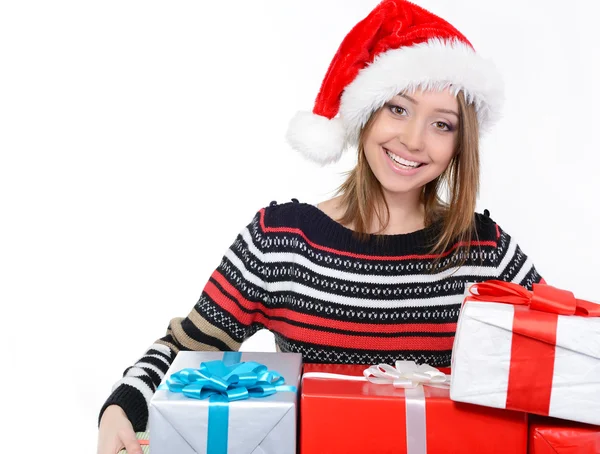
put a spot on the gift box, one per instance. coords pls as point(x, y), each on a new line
point(537, 352)
point(232, 402)
point(341, 416)
point(143, 440)
point(557, 436)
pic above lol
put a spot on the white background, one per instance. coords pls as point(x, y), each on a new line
point(137, 138)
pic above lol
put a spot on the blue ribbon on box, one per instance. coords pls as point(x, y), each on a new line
point(221, 382)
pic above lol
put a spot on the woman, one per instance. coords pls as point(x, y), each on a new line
point(377, 273)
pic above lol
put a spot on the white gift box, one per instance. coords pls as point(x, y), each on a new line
point(266, 425)
point(483, 360)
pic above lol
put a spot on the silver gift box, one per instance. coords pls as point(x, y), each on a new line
point(267, 425)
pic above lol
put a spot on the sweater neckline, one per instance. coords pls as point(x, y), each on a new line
point(335, 234)
point(328, 219)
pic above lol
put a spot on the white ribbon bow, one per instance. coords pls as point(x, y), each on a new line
point(407, 374)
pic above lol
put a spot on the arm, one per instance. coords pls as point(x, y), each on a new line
point(221, 320)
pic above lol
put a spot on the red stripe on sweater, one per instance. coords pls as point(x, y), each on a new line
point(314, 336)
point(330, 339)
point(360, 342)
point(324, 322)
point(364, 256)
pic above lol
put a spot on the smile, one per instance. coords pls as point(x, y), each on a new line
point(401, 162)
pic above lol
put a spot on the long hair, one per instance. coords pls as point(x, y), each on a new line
point(363, 199)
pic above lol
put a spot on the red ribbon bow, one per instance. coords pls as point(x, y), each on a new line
point(534, 337)
point(544, 298)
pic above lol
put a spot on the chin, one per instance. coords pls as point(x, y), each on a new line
point(398, 187)
point(400, 190)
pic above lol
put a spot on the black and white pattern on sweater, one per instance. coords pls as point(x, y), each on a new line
point(345, 292)
point(330, 308)
point(320, 354)
point(254, 242)
point(222, 319)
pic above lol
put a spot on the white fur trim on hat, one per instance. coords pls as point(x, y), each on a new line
point(317, 138)
point(432, 65)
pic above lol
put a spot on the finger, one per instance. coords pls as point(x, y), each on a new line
point(131, 444)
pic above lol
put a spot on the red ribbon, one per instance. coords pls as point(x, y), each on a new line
point(534, 337)
point(543, 298)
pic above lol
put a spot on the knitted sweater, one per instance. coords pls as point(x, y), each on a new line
point(322, 293)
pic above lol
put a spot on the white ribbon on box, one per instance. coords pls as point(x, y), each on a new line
point(411, 377)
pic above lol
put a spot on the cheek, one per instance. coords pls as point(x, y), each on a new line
point(373, 141)
point(443, 149)
point(370, 151)
point(382, 130)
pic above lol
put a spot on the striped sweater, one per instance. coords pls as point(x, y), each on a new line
point(322, 293)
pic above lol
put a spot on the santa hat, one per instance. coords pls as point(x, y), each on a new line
point(398, 47)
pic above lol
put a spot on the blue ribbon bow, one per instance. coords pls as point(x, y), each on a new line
point(222, 382)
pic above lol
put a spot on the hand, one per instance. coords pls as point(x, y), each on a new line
point(116, 433)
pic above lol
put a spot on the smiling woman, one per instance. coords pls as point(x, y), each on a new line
point(138, 138)
point(377, 273)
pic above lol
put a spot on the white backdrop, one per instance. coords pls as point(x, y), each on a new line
point(137, 138)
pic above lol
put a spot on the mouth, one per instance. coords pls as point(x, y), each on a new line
point(402, 163)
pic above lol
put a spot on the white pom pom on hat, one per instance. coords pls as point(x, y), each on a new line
point(320, 139)
point(398, 47)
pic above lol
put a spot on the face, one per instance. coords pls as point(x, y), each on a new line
point(412, 140)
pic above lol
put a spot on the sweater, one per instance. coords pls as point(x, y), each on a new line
point(327, 295)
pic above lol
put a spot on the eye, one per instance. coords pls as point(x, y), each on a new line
point(396, 109)
point(443, 126)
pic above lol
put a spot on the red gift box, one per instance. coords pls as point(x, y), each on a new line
point(345, 417)
point(557, 436)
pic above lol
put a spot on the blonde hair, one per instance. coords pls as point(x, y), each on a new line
point(363, 200)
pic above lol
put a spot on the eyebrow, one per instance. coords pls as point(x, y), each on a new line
point(414, 101)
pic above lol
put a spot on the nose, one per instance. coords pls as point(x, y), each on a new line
point(412, 136)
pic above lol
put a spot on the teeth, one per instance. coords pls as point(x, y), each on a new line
point(402, 161)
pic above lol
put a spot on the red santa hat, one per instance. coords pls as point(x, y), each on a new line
point(398, 47)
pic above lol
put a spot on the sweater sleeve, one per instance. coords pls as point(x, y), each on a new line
point(513, 265)
point(221, 320)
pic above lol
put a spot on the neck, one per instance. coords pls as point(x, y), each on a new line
point(406, 213)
